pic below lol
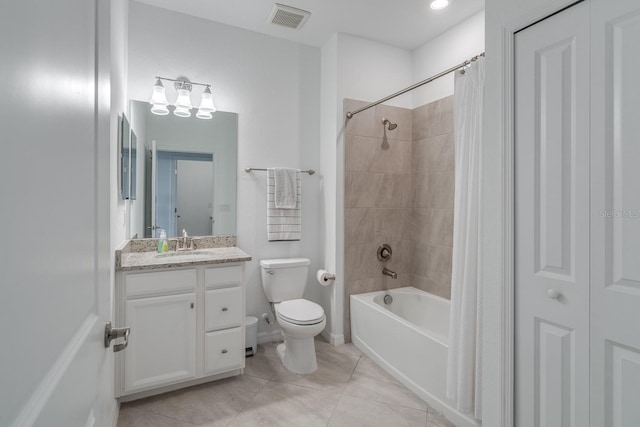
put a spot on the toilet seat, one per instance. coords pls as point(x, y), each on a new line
point(300, 312)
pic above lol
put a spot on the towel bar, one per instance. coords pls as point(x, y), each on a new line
point(249, 169)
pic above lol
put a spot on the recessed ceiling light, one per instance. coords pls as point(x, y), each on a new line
point(439, 4)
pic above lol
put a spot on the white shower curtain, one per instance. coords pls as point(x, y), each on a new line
point(464, 364)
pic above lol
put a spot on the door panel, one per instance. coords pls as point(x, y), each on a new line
point(615, 214)
point(552, 240)
point(54, 177)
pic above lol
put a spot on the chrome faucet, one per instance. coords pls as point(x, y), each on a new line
point(389, 273)
point(184, 247)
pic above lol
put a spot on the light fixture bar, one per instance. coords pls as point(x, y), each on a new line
point(183, 81)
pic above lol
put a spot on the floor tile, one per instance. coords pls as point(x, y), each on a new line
point(212, 404)
point(133, 417)
point(290, 405)
point(368, 368)
point(264, 363)
point(349, 349)
point(333, 373)
point(364, 387)
point(436, 419)
point(352, 412)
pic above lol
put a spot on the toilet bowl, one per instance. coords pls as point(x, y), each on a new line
point(299, 327)
point(284, 281)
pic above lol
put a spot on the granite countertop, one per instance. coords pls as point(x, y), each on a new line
point(141, 254)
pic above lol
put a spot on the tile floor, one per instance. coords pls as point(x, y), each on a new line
point(348, 389)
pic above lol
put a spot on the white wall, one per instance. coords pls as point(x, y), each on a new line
point(452, 47)
point(352, 67)
point(119, 42)
point(274, 86)
point(332, 295)
point(369, 70)
point(138, 115)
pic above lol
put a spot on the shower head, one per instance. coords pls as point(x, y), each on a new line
point(390, 126)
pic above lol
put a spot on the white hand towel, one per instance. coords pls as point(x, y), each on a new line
point(283, 224)
point(285, 191)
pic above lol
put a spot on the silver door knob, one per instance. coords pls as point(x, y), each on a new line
point(553, 294)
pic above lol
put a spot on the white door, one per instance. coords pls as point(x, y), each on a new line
point(54, 185)
point(162, 349)
point(552, 221)
point(615, 213)
point(194, 197)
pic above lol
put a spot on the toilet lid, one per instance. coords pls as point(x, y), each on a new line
point(300, 311)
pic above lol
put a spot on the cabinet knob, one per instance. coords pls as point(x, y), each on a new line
point(224, 351)
point(225, 309)
point(553, 294)
point(192, 305)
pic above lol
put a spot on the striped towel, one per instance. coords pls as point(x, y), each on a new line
point(282, 224)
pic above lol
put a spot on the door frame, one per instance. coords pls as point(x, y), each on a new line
point(504, 236)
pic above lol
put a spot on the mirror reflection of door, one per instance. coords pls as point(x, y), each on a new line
point(184, 192)
point(194, 213)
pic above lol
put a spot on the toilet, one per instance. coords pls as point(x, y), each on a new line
point(284, 281)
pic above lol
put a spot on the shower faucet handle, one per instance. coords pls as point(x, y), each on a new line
point(384, 252)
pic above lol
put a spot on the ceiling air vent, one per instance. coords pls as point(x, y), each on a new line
point(288, 16)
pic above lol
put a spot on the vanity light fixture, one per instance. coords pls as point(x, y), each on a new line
point(183, 102)
point(439, 4)
point(159, 99)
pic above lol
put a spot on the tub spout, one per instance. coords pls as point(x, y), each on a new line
point(389, 273)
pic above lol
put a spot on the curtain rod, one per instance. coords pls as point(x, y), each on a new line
point(350, 114)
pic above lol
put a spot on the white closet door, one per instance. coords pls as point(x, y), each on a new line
point(552, 221)
point(615, 213)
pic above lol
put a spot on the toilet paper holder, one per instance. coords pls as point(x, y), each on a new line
point(324, 277)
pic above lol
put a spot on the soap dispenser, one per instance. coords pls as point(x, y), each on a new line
point(163, 244)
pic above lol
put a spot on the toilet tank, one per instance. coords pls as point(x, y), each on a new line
point(285, 278)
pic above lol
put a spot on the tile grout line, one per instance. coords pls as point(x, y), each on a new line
point(249, 402)
point(342, 392)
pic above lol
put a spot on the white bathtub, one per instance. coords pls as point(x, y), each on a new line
point(409, 339)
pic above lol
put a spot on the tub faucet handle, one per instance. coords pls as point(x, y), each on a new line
point(384, 252)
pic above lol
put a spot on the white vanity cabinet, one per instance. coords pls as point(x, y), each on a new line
point(187, 327)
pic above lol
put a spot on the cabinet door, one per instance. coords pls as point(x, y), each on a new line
point(615, 214)
point(552, 221)
point(162, 344)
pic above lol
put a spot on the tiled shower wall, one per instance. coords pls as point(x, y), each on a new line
point(398, 190)
point(377, 199)
point(431, 217)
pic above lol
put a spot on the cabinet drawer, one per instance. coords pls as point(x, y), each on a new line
point(223, 308)
point(224, 350)
point(222, 276)
point(141, 284)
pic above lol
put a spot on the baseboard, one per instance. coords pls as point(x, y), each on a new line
point(333, 339)
point(275, 335)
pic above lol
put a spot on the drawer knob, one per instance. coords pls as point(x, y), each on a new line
point(225, 309)
point(224, 351)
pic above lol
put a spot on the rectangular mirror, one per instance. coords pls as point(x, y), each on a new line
point(186, 173)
